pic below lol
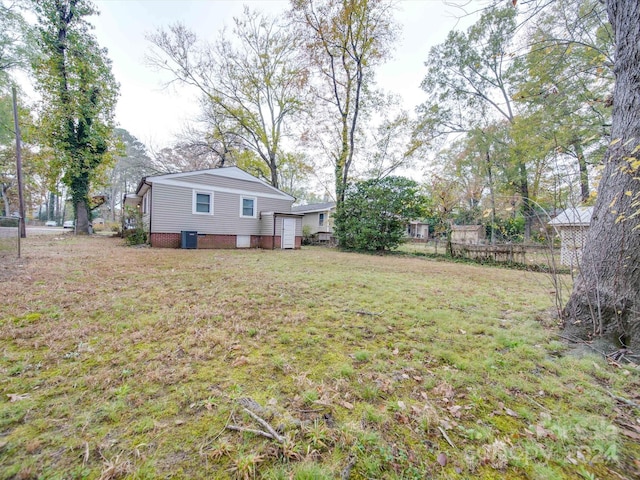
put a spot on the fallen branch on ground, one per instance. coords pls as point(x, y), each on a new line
point(346, 471)
point(446, 437)
point(270, 432)
point(623, 400)
point(364, 312)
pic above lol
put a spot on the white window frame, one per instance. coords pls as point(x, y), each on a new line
point(255, 206)
point(321, 219)
point(195, 201)
point(145, 203)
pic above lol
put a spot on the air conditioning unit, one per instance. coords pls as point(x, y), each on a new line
point(189, 239)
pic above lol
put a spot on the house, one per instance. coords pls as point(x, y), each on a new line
point(572, 225)
point(216, 208)
point(418, 230)
point(317, 219)
point(468, 234)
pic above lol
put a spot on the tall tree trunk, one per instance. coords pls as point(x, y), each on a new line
point(51, 204)
point(82, 217)
point(492, 196)
point(527, 206)
point(582, 166)
point(606, 295)
point(80, 189)
point(5, 198)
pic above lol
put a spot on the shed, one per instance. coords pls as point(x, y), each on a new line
point(467, 234)
point(572, 224)
point(418, 229)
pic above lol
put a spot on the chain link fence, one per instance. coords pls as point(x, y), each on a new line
point(9, 238)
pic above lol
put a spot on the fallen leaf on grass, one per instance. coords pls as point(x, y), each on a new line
point(442, 459)
point(630, 434)
point(402, 405)
point(455, 411)
point(240, 361)
point(16, 397)
point(401, 418)
point(347, 405)
point(542, 432)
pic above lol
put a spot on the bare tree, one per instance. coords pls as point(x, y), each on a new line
point(251, 80)
point(345, 41)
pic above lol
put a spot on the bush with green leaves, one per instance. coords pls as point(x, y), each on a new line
point(134, 231)
point(375, 213)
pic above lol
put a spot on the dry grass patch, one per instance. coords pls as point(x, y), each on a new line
point(121, 362)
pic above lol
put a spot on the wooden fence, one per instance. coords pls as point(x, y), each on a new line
point(508, 253)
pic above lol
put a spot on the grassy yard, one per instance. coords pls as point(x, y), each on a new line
point(122, 362)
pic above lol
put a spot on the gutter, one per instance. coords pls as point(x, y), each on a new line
point(144, 181)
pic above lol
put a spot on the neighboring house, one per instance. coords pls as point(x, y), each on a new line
point(572, 225)
point(468, 234)
point(317, 217)
point(418, 230)
point(221, 207)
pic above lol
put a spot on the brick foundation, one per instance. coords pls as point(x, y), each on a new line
point(174, 240)
point(165, 240)
point(216, 241)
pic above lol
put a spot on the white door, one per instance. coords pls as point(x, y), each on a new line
point(288, 232)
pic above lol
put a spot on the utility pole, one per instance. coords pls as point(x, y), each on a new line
point(23, 229)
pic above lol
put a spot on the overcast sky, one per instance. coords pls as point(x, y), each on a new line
point(154, 114)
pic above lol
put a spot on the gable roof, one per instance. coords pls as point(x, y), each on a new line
point(574, 217)
point(182, 179)
point(314, 207)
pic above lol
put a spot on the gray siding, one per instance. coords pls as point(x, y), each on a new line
point(172, 212)
point(223, 182)
point(266, 224)
point(313, 220)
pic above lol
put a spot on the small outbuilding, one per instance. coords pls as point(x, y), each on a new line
point(468, 234)
point(572, 225)
point(418, 230)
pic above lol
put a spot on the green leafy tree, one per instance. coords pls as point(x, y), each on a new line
point(14, 38)
point(470, 82)
point(444, 197)
point(251, 80)
point(565, 86)
point(73, 76)
point(375, 213)
point(345, 41)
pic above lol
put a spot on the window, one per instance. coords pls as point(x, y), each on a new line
point(145, 203)
point(248, 207)
point(202, 203)
point(321, 219)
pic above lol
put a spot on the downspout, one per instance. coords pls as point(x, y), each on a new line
point(273, 239)
point(144, 182)
point(150, 207)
